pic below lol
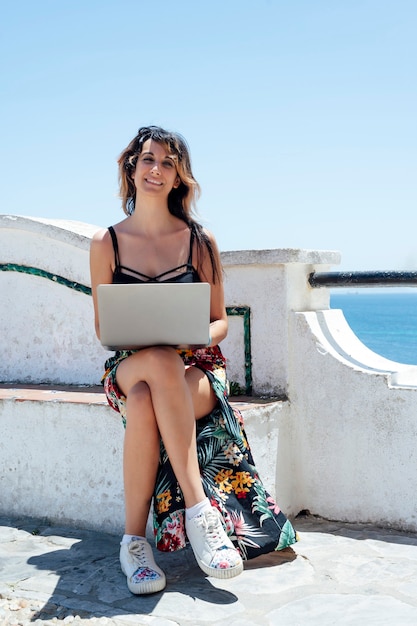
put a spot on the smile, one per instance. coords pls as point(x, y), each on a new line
point(153, 182)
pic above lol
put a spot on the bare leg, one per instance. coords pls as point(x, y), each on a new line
point(163, 400)
point(140, 458)
point(170, 404)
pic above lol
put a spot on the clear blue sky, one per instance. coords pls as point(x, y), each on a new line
point(300, 114)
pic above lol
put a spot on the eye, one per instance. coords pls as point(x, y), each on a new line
point(147, 159)
point(168, 163)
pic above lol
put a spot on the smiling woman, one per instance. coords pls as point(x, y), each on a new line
point(185, 446)
point(155, 168)
point(173, 149)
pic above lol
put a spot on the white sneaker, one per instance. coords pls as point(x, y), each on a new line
point(138, 564)
point(213, 550)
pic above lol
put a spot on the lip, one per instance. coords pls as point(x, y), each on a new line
point(157, 183)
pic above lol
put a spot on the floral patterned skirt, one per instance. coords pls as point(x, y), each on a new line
point(254, 522)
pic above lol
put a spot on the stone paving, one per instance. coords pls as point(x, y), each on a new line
point(341, 574)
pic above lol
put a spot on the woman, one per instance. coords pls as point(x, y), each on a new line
point(184, 446)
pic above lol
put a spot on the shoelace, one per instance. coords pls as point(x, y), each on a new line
point(137, 552)
point(210, 523)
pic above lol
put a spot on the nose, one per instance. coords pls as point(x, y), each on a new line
point(155, 167)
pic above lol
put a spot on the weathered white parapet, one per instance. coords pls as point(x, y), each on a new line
point(272, 283)
point(354, 426)
point(47, 326)
point(61, 454)
point(342, 444)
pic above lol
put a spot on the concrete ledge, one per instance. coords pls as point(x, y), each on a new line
point(93, 394)
point(88, 394)
point(61, 451)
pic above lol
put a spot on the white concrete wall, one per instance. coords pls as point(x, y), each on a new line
point(63, 460)
point(272, 283)
point(355, 425)
point(342, 446)
point(48, 331)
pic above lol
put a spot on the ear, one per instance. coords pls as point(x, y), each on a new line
point(177, 182)
point(131, 166)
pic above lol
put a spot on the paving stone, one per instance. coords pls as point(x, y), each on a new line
point(341, 574)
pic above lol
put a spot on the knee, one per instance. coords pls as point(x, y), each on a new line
point(164, 364)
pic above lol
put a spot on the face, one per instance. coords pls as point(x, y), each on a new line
point(155, 171)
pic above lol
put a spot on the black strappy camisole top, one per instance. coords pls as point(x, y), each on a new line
point(185, 273)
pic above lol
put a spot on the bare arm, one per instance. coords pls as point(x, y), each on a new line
point(101, 267)
point(218, 317)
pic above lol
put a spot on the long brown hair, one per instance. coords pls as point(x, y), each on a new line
point(182, 199)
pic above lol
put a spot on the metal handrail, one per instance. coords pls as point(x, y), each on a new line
point(363, 279)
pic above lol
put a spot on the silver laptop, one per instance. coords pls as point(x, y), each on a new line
point(151, 314)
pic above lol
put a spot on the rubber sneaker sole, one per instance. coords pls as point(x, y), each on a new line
point(150, 586)
point(223, 574)
point(143, 576)
point(213, 549)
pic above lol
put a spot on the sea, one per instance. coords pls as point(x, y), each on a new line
point(385, 321)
